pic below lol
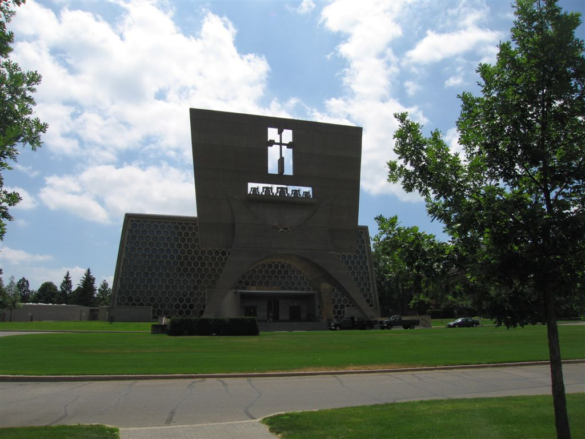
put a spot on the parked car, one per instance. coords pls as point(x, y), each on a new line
point(352, 323)
point(463, 322)
point(399, 321)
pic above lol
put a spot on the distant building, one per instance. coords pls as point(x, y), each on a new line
point(276, 235)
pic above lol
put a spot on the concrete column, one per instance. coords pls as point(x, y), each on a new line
point(326, 301)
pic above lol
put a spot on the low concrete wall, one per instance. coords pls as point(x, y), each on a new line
point(39, 312)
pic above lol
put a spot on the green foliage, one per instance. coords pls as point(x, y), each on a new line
point(9, 297)
point(104, 294)
point(516, 417)
point(47, 293)
point(17, 124)
point(412, 267)
point(65, 289)
point(213, 326)
point(514, 204)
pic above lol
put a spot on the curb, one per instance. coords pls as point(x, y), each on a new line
point(67, 378)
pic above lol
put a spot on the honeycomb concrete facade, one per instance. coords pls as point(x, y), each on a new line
point(163, 266)
point(278, 243)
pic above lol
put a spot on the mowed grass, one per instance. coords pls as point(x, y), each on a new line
point(528, 417)
point(75, 326)
point(100, 353)
point(61, 432)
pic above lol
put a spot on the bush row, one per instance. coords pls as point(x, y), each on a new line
point(213, 326)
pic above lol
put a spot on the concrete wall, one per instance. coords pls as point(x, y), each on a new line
point(45, 312)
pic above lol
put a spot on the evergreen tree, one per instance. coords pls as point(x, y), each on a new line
point(85, 292)
point(47, 293)
point(104, 294)
point(23, 287)
point(66, 289)
point(17, 126)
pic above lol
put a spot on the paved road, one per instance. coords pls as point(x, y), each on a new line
point(132, 404)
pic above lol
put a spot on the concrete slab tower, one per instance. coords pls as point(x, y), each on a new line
point(276, 234)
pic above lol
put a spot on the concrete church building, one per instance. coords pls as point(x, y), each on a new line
point(276, 235)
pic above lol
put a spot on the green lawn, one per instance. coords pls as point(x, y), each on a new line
point(75, 326)
point(518, 417)
point(61, 432)
point(100, 353)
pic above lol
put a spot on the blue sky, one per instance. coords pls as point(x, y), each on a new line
point(120, 76)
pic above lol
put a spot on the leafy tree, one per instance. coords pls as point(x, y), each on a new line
point(411, 266)
point(66, 289)
point(104, 294)
point(84, 294)
point(9, 296)
point(47, 293)
point(23, 287)
point(514, 205)
point(17, 126)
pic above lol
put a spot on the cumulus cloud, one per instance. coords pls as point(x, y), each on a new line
point(306, 6)
point(411, 87)
point(454, 81)
point(438, 46)
point(105, 193)
point(368, 28)
point(28, 170)
point(111, 88)
point(16, 257)
point(452, 139)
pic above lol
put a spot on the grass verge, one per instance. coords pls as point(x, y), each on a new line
point(75, 326)
point(99, 353)
point(61, 432)
point(518, 417)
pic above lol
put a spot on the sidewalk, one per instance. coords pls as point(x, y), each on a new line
point(226, 430)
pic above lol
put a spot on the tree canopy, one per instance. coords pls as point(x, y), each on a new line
point(514, 202)
point(18, 126)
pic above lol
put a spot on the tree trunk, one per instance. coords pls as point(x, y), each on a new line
point(556, 368)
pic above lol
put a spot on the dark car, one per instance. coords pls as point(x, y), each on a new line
point(463, 322)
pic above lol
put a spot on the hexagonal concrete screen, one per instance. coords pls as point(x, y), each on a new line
point(276, 235)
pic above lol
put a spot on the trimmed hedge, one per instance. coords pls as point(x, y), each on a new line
point(213, 326)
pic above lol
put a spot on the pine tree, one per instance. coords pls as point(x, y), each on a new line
point(85, 292)
point(66, 289)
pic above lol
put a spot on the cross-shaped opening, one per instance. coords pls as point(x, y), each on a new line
point(280, 151)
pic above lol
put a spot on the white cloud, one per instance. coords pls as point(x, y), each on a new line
point(28, 170)
point(369, 28)
point(436, 47)
point(411, 87)
point(110, 88)
point(306, 6)
point(105, 193)
point(452, 139)
point(27, 202)
point(17, 257)
point(454, 81)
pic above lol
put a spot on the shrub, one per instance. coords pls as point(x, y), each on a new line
point(213, 326)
